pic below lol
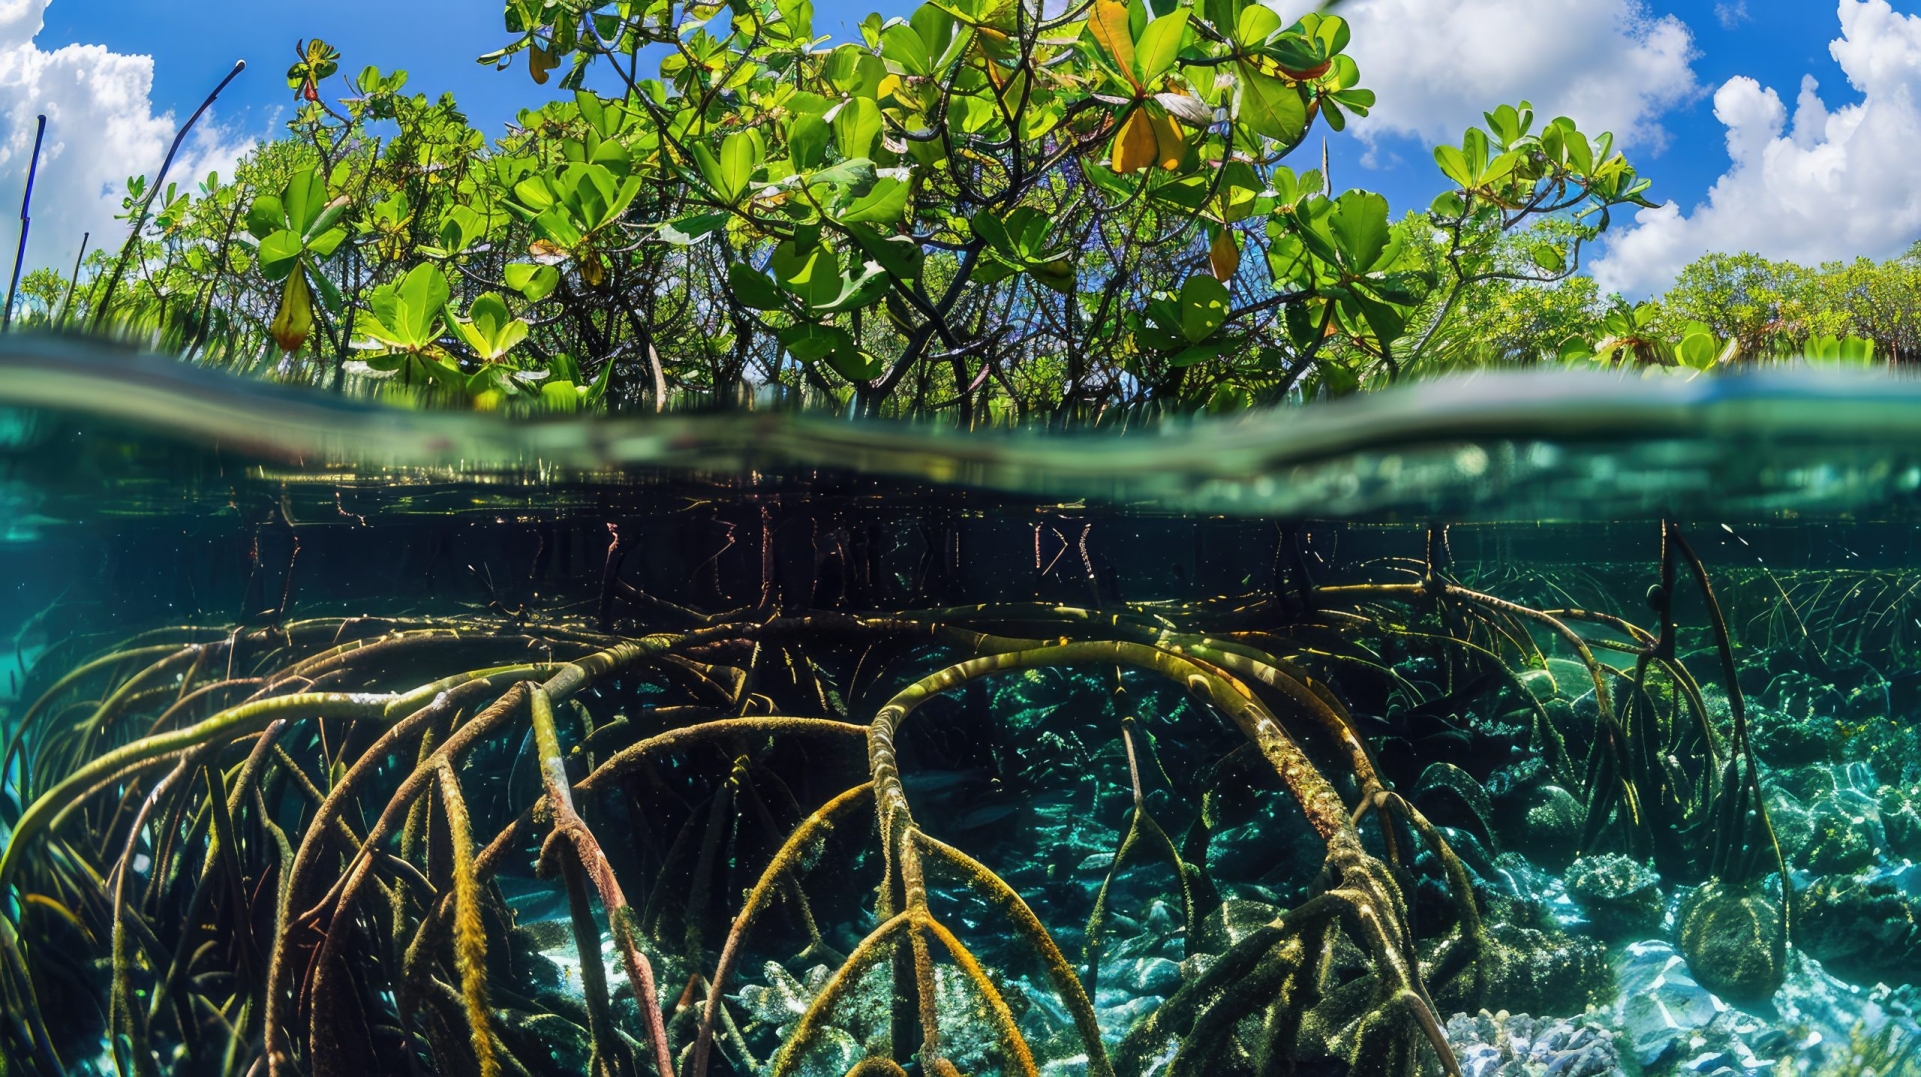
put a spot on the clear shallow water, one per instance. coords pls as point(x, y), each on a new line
point(1398, 582)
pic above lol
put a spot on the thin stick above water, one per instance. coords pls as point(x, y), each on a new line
point(146, 204)
point(26, 221)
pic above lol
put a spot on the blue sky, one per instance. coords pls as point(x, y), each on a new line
point(1659, 70)
point(437, 40)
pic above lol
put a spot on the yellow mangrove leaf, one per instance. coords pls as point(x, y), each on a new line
point(1107, 21)
point(1170, 143)
point(1134, 147)
point(1224, 256)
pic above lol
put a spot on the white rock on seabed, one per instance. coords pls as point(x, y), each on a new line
point(1517, 1045)
point(1668, 1023)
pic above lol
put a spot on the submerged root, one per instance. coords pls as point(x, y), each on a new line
point(281, 848)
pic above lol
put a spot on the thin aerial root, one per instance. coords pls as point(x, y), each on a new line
point(1138, 820)
point(593, 861)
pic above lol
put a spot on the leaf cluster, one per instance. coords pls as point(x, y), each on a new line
point(992, 207)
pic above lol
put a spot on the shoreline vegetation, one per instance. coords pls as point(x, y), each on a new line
point(989, 210)
point(981, 212)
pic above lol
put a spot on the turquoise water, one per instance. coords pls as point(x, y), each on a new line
point(1395, 735)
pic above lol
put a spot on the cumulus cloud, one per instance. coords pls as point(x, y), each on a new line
point(1438, 64)
point(1811, 185)
point(101, 128)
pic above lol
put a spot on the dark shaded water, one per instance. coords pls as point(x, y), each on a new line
point(1409, 717)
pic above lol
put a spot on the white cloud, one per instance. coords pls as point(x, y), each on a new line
point(1813, 186)
point(1731, 13)
point(1438, 64)
point(101, 128)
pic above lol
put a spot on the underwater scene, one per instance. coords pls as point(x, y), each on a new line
point(1473, 740)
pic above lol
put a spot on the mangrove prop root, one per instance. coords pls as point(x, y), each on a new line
point(587, 851)
point(470, 935)
point(786, 863)
point(1029, 928)
point(1138, 819)
point(264, 799)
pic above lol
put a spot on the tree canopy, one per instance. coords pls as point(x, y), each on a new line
point(992, 208)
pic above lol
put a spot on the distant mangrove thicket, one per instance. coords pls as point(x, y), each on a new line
point(1722, 308)
point(984, 210)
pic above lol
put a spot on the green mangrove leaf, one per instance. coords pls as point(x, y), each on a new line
point(1359, 228)
point(884, 203)
point(902, 47)
point(1269, 106)
point(810, 343)
point(1159, 45)
point(1697, 350)
point(863, 289)
point(1057, 275)
point(740, 154)
point(857, 128)
point(691, 230)
point(266, 216)
point(491, 330)
point(1204, 306)
point(1254, 25)
point(280, 253)
point(305, 199)
point(533, 282)
point(410, 309)
point(753, 289)
point(812, 273)
point(807, 141)
point(899, 255)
